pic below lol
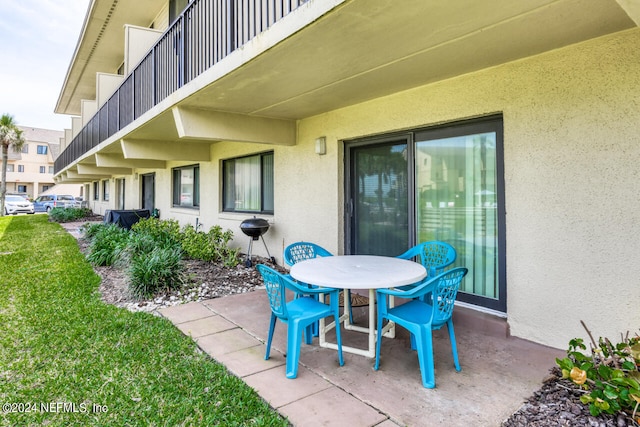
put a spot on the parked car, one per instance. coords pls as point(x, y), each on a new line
point(80, 203)
point(49, 201)
point(16, 204)
point(23, 195)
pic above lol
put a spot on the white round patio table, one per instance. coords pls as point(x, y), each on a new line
point(357, 272)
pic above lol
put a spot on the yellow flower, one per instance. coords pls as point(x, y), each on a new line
point(577, 375)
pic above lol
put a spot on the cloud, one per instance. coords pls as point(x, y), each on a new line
point(38, 38)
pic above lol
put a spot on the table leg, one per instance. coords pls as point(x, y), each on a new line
point(388, 330)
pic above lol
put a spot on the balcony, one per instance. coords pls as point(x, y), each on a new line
point(207, 32)
point(247, 70)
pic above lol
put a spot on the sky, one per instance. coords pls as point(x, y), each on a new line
point(37, 41)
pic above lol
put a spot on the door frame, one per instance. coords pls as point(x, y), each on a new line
point(496, 124)
point(349, 244)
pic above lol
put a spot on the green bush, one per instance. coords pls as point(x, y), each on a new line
point(164, 232)
point(152, 272)
point(69, 214)
point(90, 229)
point(152, 252)
point(211, 246)
point(610, 376)
point(106, 244)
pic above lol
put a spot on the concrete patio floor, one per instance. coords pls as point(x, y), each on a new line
point(498, 372)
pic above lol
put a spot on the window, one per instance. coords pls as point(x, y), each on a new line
point(22, 188)
point(25, 148)
point(43, 169)
point(10, 167)
point(42, 149)
point(45, 187)
point(96, 190)
point(51, 170)
point(186, 186)
point(20, 168)
point(105, 190)
point(248, 184)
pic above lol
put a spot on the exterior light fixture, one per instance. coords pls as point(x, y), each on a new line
point(321, 145)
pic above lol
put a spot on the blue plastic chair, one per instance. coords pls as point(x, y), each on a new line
point(301, 251)
point(420, 317)
point(299, 314)
point(435, 256)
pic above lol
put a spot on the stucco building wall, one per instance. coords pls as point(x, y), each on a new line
point(571, 148)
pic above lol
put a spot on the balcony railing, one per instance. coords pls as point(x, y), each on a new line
point(206, 32)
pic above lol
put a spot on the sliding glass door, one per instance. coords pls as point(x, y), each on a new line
point(379, 202)
point(441, 183)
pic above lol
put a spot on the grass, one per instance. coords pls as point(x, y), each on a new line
point(62, 349)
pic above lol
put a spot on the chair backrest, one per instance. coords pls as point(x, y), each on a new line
point(274, 284)
point(301, 251)
point(434, 255)
point(445, 292)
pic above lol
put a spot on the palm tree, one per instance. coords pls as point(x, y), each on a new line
point(10, 136)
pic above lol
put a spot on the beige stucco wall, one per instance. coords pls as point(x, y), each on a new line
point(571, 149)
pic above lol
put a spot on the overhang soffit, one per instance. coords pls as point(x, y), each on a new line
point(104, 160)
point(166, 150)
point(96, 170)
point(210, 125)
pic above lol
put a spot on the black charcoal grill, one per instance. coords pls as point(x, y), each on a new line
point(255, 228)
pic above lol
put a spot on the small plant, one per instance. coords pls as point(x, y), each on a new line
point(610, 376)
point(211, 246)
point(164, 232)
point(90, 229)
point(160, 269)
point(69, 214)
point(106, 244)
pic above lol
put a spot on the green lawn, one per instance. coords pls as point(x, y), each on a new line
point(66, 358)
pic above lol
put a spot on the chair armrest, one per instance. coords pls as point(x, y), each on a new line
point(408, 254)
point(307, 289)
point(420, 288)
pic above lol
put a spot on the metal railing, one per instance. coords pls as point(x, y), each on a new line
point(206, 32)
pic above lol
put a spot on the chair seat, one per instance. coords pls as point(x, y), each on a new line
point(308, 308)
point(414, 311)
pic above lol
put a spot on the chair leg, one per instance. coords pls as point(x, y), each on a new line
point(308, 333)
point(378, 342)
point(294, 337)
point(339, 338)
point(424, 344)
point(454, 347)
point(348, 295)
point(272, 326)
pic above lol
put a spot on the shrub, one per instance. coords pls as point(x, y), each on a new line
point(151, 272)
point(106, 243)
point(152, 252)
point(610, 376)
point(164, 232)
point(69, 214)
point(211, 246)
point(90, 229)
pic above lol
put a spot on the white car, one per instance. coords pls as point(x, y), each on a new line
point(15, 204)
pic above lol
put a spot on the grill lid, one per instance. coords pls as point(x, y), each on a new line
point(254, 227)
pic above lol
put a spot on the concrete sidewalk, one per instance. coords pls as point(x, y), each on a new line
point(498, 373)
